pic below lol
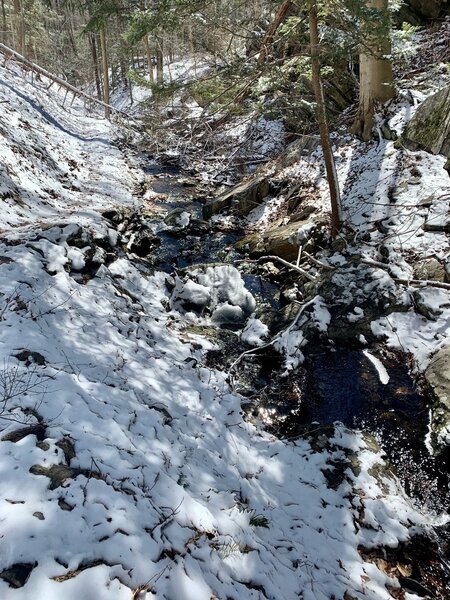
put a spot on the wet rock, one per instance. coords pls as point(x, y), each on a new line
point(17, 575)
point(178, 218)
point(243, 197)
point(437, 377)
point(429, 129)
point(142, 243)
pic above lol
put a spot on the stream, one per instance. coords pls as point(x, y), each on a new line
point(338, 384)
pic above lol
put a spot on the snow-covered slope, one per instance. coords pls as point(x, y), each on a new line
point(54, 160)
point(133, 468)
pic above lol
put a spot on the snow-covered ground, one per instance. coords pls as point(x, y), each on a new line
point(396, 202)
point(139, 472)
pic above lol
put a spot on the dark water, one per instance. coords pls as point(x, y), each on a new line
point(340, 385)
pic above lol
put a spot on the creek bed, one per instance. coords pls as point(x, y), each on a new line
point(332, 385)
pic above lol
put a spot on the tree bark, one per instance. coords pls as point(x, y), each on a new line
point(149, 59)
point(280, 16)
point(93, 45)
point(4, 24)
point(105, 72)
point(376, 78)
point(333, 183)
point(159, 60)
point(19, 26)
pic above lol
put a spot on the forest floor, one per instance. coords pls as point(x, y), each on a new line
point(128, 467)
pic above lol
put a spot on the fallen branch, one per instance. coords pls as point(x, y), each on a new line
point(423, 283)
point(316, 262)
point(408, 282)
point(288, 264)
point(276, 338)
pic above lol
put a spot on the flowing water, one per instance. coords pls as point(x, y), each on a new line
point(332, 385)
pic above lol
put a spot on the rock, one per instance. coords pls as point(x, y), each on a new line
point(17, 575)
point(438, 218)
point(30, 357)
point(142, 243)
point(430, 269)
point(303, 146)
point(284, 240)
point(437, 377)
point(38, 430)
point(68, 448)
point(420, 12)
point(429, 129)
point(178, 218)
point(243, 197)
point(356, 295)
point(424, 307)
point(58, 474)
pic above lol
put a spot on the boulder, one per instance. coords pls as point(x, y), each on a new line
point(243, 197)
point(284, 240)
point(437, 377)
point(419, 12)
point(304, 145)
point(430, 269)
point(429, 129)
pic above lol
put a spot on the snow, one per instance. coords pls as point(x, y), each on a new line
point(159, 472)
point(394, 200)
point(380, 368)
point(255, 332)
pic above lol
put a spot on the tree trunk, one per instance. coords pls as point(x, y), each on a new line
point(159, 61)
point(105, 71)
point(280, 16)
point(19, 26)
point(333, 183)
point(376, 78)
point(98, 85)
point(4, 24)
point(149, 59)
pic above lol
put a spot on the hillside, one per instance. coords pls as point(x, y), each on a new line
point(129, 466)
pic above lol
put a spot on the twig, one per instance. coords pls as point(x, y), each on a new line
point(276, 338)
point(288, 264)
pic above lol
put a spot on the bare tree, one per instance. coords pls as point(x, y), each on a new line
point(333, 183)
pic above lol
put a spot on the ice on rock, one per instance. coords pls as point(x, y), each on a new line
point(190, 293)
point(221, 289)
point(255, 332)
point(226, 285)
point(227, 314)
point(76, 258)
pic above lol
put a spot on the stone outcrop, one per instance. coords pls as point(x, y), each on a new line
point(243, 197)
point(419, 12)
point(438, 378)
point(284, 240)
point(429, 129)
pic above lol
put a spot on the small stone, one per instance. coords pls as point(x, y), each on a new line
point(63, 505)
point(39, 516)
point(44, 446)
